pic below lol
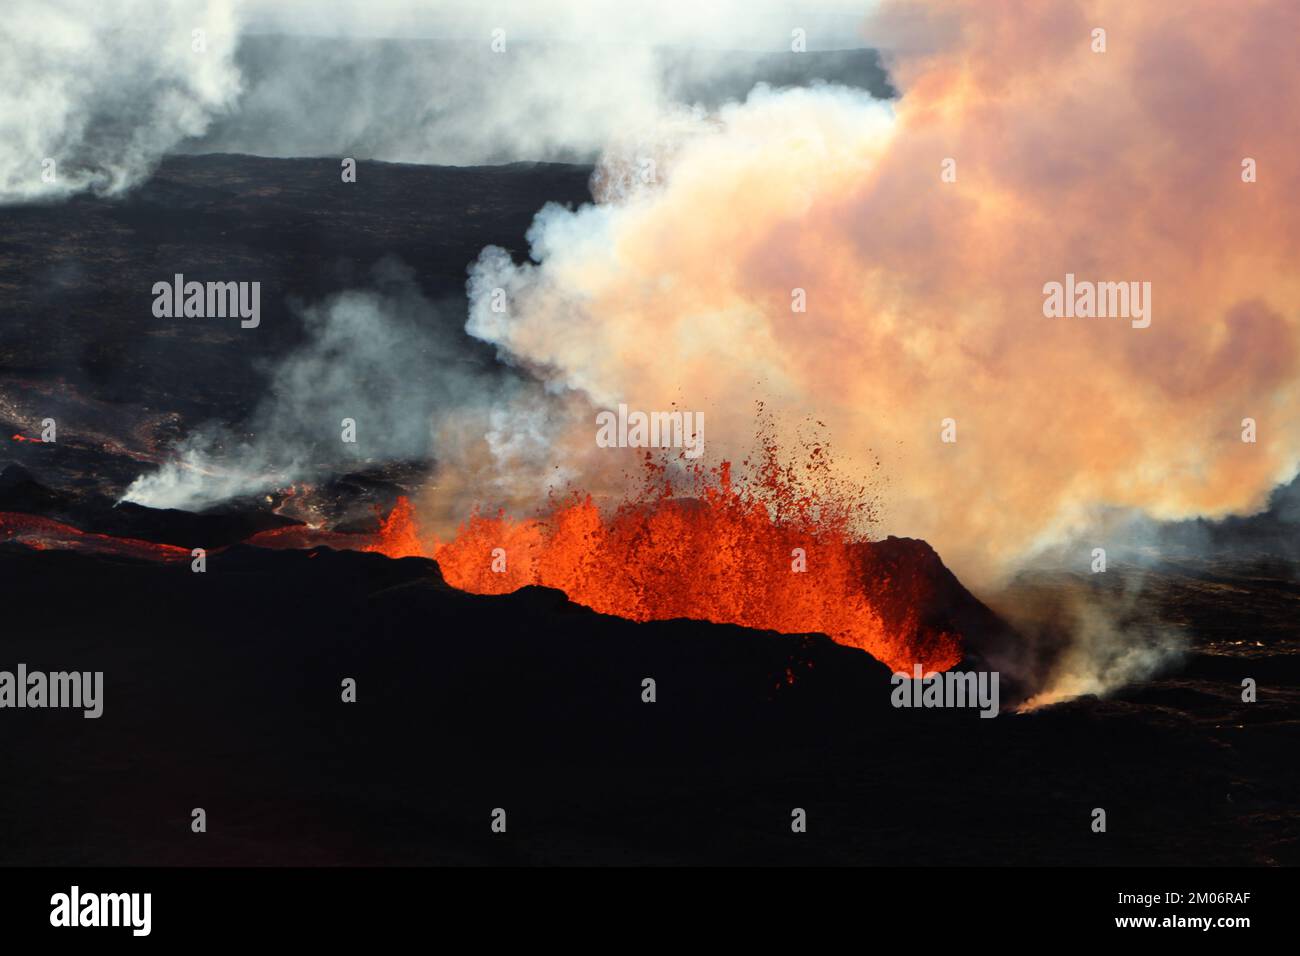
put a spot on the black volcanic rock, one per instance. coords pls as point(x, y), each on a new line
point(222, 691)
point(19, 491)
point(911, 588)
point(919, 590)
point(79, 342)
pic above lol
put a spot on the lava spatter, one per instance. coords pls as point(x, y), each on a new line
point(782, 552)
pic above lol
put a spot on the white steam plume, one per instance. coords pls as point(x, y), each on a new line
point(93, 94)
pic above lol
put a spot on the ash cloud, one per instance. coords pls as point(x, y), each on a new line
point(456, 102)
point(105, 90)
point(924, 296)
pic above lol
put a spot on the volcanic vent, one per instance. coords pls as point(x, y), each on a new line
point(772, 554)
point(783, 552)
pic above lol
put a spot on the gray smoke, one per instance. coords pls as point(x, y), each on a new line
point(381, 357)
point(93, 94)
point(457, 102)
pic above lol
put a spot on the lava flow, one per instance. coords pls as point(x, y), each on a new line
point(46, 534)
point(780, 558)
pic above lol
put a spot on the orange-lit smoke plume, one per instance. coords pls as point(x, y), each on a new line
point(924, 297)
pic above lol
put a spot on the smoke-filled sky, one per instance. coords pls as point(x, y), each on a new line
point(924, 292)
point(104, 89)
point(107, 89)
point(925, 297)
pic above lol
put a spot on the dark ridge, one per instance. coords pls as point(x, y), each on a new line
point(222, 690)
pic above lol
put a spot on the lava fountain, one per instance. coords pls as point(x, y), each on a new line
point(781, 553)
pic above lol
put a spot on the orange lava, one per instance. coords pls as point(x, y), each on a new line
point(723, 554)
point(783, 552)
point(398, 536)
point(46, 534)
point(298, 537)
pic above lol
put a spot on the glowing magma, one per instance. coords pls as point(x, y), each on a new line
point(723, 554)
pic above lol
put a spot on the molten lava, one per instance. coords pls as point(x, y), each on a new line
point(398, 536)
point(779, 557)
point(784, 552)
point(46, 534)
